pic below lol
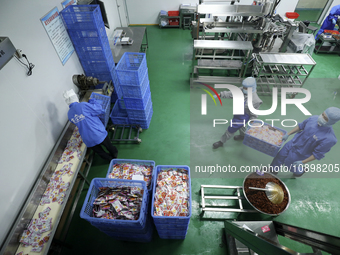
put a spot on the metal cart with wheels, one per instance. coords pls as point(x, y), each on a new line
point(125, 133)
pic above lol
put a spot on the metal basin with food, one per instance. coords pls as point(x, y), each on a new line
point(258, 199)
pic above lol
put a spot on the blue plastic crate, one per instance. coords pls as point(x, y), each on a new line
point(143, 123)
point(105, 102)
point(118, 114)
point(87, 33)
point(96, 66)
point(86, 212)
point(131, 68)
point(117, 92)
point(169, 227)
point(137, 103)
point(136, 91)
point(182, 223)
point(90, 44)
point(260, 145)
point(136, 236)
point(136, 162)
point(103, 54)
point(82, 17)
point(104, 76)
point(127, 229)
point(172, 234)
point(140, 113)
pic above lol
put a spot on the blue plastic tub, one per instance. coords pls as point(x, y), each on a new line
point(131, 68)
point(260, 145)
point(101, 66)
point(136, 236)
point(118, 114)
point(172, 234)
point(105, 102)
point(82, 17)
point(87, 208)
point(143, 123)
point(171, 227)
point(138, 103)
point(136, 162)
point(136, 91)
point(140, 113)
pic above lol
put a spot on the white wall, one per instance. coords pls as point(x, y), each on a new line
point(146, 11)
point(308, 4)
point(32, 109)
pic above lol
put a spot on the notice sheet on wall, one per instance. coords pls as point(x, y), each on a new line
point(66, 3)
point(57, 32)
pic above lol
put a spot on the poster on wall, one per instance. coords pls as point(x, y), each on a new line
point(57, 32)
point(68, 2)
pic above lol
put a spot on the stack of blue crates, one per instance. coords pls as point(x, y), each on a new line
point(140, 230)
point(171, 227)
point(133, 81)
point(86, 29)
point(105, 102)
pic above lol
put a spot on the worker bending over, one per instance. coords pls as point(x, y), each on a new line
point(315, 137)
point(92, 131)
point(239, 120)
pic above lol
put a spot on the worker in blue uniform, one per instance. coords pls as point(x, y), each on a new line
point(330, 20)
point(92, 131)
point(315, 137)
point(239, 121)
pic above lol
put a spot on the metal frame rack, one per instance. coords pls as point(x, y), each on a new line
point(223, 55)
point(160, 17)
point(261, 237)
point(281, 70)
point(237, 191)
point(333, 47)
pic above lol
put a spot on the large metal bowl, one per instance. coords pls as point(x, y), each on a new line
point(289, 198)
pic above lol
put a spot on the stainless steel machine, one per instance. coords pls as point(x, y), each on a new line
point(231, 33)
point(87, 84)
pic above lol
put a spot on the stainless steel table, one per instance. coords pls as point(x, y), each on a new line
point(137, 34)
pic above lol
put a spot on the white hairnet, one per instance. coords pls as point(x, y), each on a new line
point(333, 114)
point(249, 82)
point(70, 96)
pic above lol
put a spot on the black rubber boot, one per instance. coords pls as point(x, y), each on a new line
point(217, 145)
point(238, 137)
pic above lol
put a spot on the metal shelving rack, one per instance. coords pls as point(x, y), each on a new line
point(281, 70)
point(160, 17)
point(223, 55)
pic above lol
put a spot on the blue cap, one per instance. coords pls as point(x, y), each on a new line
point(333, 115)
point(249, 82)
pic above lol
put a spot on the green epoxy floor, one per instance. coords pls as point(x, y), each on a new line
point(176, 138)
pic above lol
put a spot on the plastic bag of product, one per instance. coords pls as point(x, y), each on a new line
point(164, 22)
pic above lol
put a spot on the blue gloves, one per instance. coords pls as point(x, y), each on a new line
point(285, 137)
point(215, 96)
point(333, 21)
point(296, 163)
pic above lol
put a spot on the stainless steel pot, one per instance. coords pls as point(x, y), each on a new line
point(273, 176)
